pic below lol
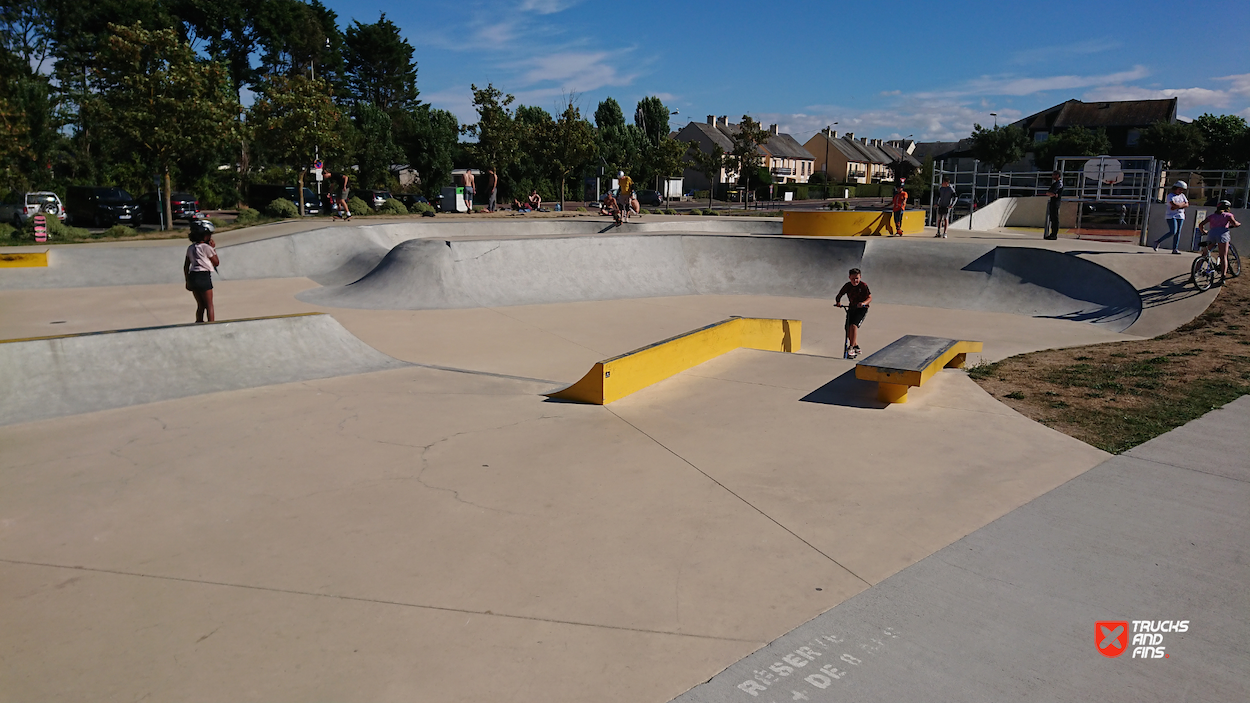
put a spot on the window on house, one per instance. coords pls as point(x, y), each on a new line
point(1134, 135)
point(1041, 136)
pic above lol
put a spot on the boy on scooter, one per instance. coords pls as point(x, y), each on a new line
point(857, 298)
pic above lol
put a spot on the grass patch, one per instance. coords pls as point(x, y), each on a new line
point(1115, 396)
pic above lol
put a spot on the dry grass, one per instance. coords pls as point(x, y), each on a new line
point(1115, 396)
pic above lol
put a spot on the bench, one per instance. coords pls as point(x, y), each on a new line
point(910, 361)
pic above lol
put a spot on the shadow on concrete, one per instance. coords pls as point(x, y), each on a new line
point(847, 391)
point(1174, 289)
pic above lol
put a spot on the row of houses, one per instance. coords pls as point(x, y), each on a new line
point(847, 159)
point(842, 158)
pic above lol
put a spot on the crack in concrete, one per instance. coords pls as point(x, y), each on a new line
point(380, 601)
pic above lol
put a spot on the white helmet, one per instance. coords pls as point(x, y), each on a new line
point(1181, 184)
point(620, 174)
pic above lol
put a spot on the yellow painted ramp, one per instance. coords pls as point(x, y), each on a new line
point(615, 378)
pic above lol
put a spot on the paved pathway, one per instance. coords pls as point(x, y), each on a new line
point(1008, 613)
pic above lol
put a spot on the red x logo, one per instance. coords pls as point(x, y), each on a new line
point(1111, 636)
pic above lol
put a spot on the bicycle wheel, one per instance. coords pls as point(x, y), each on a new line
point(1234, 262)
point(1202, 273)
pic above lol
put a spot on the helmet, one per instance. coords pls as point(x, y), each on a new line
point(1224, 204)
point(1181, 184)
point(202, 226)
point(620, 174)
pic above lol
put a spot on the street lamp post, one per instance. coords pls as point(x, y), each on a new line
point(995, 116)
point(828, 137)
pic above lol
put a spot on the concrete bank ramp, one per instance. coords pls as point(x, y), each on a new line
point(429, 273)
point(55, 376)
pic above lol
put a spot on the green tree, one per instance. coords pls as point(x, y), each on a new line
point(155, 94)
point(1222, 136)
point(608, 114)
point(1073, 141)
point(745, 156)
point(1178, 143)
point(376, 151)
point(998, 146)
point(498, 138)
point(293, 117)
point(430, 139)
point(380, 67)
point(572, 144)
point(708, 163)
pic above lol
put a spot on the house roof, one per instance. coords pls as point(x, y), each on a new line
point(942, 150)
point(897, 154)
point(1122, 113)
point(784, 146)
point(712, 133)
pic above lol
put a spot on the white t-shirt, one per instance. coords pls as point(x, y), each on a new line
point(200, 255)
point(1178, 199)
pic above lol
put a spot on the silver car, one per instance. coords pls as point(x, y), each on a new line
point(23, 206)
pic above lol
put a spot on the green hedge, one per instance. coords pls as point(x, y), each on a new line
point(282, 208)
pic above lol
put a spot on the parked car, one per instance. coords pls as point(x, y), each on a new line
point(375, 198)
point(184, 206)
point(410, 199)
point(19, 207)
point(100, 206)
point(259, 196)
point(650, 197)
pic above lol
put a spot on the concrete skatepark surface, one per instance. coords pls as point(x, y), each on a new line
point(447, 534)
point(1008, 612)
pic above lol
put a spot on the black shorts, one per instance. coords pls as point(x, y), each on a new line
point(200, 280)
point(898, 218)
point(942, 210)
point(855, 316)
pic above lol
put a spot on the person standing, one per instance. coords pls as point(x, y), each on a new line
point(344, 213)
point(1177, 202)
point(492, 182)
point(857, 299)
point(624, 186)
point(946, 200)
point(468, 188)
point(197, 268)
point(1054, 195)
point(898, 204)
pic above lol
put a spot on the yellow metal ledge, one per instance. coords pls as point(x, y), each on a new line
point(892, 384)
point(615, 378)
point(29, 259)
point(848, 224)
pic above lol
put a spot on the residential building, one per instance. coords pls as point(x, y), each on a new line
point(850, 160)
point(782, 154)
point(1122, 120)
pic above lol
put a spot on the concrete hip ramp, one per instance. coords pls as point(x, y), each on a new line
point(432, 274)
point(55, 376)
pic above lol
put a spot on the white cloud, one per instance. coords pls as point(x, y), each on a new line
point(923, 120)
point(1043, 54)
point(1240, 83)
point(576, 71)
point(1011, 85)
point(547, 7)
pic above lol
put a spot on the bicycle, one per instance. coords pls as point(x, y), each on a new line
point(1206, 268)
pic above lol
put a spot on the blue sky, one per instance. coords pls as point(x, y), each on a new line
point(883, 70)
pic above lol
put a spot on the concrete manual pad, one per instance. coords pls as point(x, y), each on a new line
point(1008, 613)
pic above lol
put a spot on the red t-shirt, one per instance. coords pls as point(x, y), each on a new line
point(900, 200)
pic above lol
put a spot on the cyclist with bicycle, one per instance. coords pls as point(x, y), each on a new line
point(1217, 227)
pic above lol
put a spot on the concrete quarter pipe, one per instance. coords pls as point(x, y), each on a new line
point(429, 274)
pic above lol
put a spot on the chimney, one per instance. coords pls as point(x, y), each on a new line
point(772, 129)
point(850, 136)
point(833, 133)
point(711, 119)
point(863, 140)
point(724, 119)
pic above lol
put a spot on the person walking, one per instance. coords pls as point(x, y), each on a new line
point(1054, 195)
point(492, 183)
point(468, 189)
point(946, 201)
point(1177, 202)
point(197, 268)
point(898, 204)
point(1217, 227)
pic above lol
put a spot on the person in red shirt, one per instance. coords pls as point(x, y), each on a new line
point(857, 298)
point(898, 205)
